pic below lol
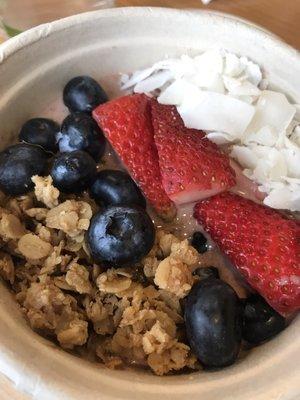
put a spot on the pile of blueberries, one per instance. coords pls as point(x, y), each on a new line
point(122, 233)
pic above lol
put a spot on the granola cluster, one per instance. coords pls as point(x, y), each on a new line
point(120, 317)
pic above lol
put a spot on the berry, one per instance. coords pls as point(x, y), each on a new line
point(73, 172)
point(192, 167)
point(120, 236)
point(126, 122)
point(83, 93)
point(40, 131)
point(80, 132)
point(199, 242)
point(261, 322)
point(207, 272)
point(261, 243)
point(111, 187)
point(18, 163)
point(213, 322)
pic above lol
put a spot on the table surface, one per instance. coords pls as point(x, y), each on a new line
point(279, 16)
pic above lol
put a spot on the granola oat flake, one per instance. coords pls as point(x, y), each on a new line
point(62, 293)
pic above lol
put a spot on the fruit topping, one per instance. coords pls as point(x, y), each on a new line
point(213, 322)
point(112, 187)
point(18, 163)
point(40, 131)
point(73, 172)
point(127, 124)
point(192, 167)
point(80, 132)
point(199, 242)
point(213, 91)
point(83, 93)
point(120, 236)
point(262, 244)
point(261, 322)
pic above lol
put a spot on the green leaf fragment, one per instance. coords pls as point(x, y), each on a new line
point(10, 30)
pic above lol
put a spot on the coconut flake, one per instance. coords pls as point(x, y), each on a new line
point(245, 156)
point(273, 110)
point(152, 82)
point(239, 87)
point(292, 160)
point(212, 82)
point(216, 112)
point(252, 71)
point(284, 199)
point(176, 92)
point(209, 62)
point(219, 138)
point(136, 77)
point(266, 136)
point(272, 166)
point(278, 198)
point(208, 71)
point(233, 65)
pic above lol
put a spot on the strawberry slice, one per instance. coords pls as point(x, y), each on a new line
point(192, 167)
point(126, 123)
point(261, 243)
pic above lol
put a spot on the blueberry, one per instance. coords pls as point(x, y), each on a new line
point(199, 242)
point(213, 320)
point(73, 172)
point(80, 132)
point(18, 163)
point(83, 93)
point(207, 272)
point(261, 322)
point(120, 236)
point(40, 131)
point(114, 188)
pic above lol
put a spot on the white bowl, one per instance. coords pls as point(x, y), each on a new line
point(34, 67)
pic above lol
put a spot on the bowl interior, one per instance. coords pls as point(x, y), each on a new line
point(33, 71)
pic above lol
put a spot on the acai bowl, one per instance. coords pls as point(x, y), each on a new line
point(96, 45)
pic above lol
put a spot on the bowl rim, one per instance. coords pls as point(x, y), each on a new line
point(10, 361)
point(36, 33)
